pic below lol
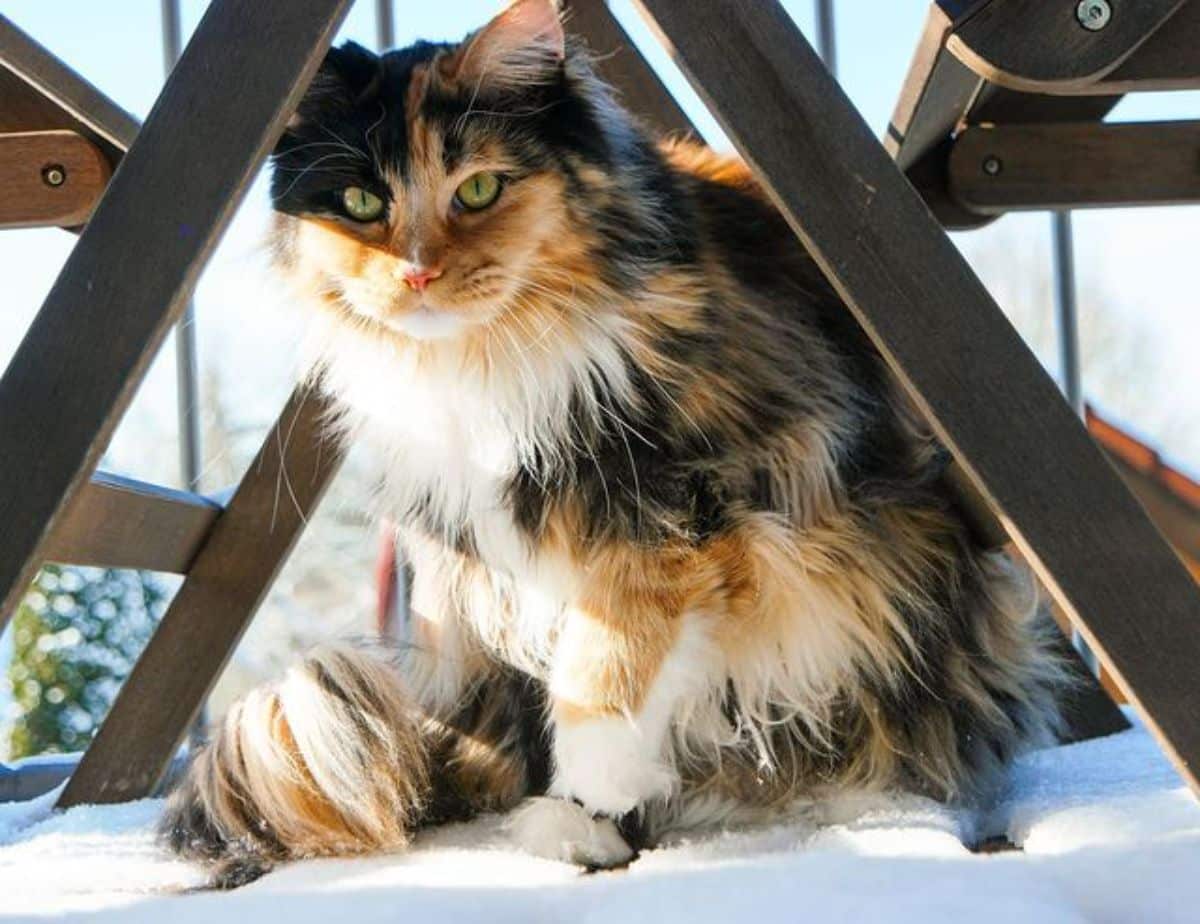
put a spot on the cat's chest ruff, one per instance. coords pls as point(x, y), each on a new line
point(450, 460)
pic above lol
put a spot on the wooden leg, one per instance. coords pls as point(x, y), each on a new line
point(134, 266)
point(229, 578)
point(951, 347)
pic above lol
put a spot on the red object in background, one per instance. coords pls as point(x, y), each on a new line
point(1143, 458)
point(386, 583)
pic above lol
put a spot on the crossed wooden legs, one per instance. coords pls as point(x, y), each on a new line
point(123, 286)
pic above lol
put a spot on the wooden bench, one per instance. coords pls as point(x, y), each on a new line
point(1002, 106)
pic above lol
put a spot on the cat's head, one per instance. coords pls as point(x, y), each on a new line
point(426, 191)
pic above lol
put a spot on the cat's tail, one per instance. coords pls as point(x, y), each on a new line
point(331, 760)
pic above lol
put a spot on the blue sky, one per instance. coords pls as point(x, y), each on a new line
point(1140, 261)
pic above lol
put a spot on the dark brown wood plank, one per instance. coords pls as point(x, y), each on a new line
point(1178, 520)
point(622, 65)
point(39, 92)
point(1003, 168)
point(1087, 709)
point(1168, 60)
point(934, 97)
point(134, 266)
point(225, 585)
point(1037, 46)
point(49, 179)
point(117, 522)
point(951, 347)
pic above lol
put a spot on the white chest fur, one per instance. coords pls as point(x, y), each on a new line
point(449, 434)
point(440, 445)
point(451, 426)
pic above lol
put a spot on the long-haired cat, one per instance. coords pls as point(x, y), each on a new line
point(681, 554)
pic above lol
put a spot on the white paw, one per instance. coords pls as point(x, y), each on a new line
point(558, 830)
point(609, 764)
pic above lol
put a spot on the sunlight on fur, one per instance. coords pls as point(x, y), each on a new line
point(683, 555)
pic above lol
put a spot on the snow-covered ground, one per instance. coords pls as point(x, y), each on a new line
point(1108, 830)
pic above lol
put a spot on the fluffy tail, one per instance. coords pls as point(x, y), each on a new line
point(332, 760)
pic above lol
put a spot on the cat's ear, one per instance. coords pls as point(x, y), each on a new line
point(347, 76)
point(524, 45)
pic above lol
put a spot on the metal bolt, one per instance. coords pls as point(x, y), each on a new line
point(54, 175)
point(992, 165)
point(1093, 15)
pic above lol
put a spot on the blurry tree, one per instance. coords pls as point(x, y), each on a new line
point(76, 636)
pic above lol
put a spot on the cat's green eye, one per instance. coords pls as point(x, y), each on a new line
point(361, 204)
point(478, 191)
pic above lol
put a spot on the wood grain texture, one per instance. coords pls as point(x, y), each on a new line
point(1039, 46)
point(1178, 520)
point(1168, 60)
point(135, 264)
point(980, 386)
point(117, 522)
point(39, 92)
point(28, 199)
point(225, 584)
point(935, 95)
point(622, 65)
point(1076, 165)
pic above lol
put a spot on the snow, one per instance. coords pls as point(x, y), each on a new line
point(1109, 833)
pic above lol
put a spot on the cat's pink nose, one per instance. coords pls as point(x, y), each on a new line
point(418, 278)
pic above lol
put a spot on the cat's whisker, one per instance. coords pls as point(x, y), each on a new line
point(304, 172)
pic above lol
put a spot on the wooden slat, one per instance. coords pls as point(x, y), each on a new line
point(1087, 709)
point(1075, 165)
point(948, 343)
point(117, 522)
point(134, 266)
point(225, 585)
point(38, 92)
point(30, 166)
point(1178, 520)
point(1169, 59)
point(936, 93)
point(1037, 46)
point(1090, 712)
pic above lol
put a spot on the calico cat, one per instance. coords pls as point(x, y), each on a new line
point(682, 555)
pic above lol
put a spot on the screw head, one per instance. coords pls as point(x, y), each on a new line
point(1093, 15)
point(992, 165)
point(54, 175)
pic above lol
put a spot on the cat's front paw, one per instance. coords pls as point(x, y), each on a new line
point(559, 830)
point(609, 765)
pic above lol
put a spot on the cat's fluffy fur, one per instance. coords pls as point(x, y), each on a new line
point(681, 549)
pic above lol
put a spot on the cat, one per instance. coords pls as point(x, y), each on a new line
point(682, 553)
